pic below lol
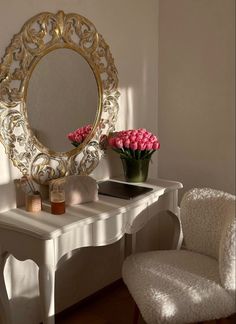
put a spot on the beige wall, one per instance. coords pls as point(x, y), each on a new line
point(196, 116)
point(130, 28)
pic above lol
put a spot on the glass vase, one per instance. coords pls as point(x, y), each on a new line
point(135, 170)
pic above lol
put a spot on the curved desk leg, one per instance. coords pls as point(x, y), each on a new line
point(130, 244)
point(4, 300)
point(174, 212)
point(47, 284)
point(178, 234)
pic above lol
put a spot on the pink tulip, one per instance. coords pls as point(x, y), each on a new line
point(127, 143)
point(149, 146)
point(78, 138)
point(132, 138)
point(111, 141)
point(155, 145)
point(84, 135)
point(119, 143)
point(134, 146)
point(71, 136)
point(141, 146)
point(142, 130)
point(139, 136)
point(153, 138)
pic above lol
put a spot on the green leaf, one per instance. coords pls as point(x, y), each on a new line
point(148, 154)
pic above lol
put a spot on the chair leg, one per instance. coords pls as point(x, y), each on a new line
point(136, 314)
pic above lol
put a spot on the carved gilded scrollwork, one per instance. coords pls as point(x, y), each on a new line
point(40, 35)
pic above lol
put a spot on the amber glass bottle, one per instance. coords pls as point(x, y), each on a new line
point(57, 197)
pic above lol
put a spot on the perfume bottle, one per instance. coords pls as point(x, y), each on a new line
point(57, 197)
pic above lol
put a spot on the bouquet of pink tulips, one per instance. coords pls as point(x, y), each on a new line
point(136, 144)
point(78, 136)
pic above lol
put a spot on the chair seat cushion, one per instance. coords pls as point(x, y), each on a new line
point(176, 287)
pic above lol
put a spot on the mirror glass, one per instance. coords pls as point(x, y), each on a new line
point(62, 96)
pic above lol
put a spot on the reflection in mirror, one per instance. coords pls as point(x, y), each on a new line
point(62, 96)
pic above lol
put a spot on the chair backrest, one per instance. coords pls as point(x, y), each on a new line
point(209, 226)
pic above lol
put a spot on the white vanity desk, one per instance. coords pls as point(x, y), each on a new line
point(45, 238)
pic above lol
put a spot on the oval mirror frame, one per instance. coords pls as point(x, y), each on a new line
point(40, 35)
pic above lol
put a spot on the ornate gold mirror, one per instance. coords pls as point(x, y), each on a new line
point(57, 75)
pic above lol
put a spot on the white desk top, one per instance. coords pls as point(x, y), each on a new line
point(45, 225)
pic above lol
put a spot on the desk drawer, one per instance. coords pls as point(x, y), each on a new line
point(109, 230)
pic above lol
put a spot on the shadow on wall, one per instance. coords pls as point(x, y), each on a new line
point(22, 307)
point(21, 310)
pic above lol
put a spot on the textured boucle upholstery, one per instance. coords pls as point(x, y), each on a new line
point(208, 222)
point(197, 283)
point(176, 287)
point(227, 256)
point(204, 213)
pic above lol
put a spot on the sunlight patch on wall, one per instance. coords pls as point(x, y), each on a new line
point(126, 109)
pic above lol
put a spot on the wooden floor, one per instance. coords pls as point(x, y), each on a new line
point(113, 305)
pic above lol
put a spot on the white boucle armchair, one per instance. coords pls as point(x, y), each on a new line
point(197, 282)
